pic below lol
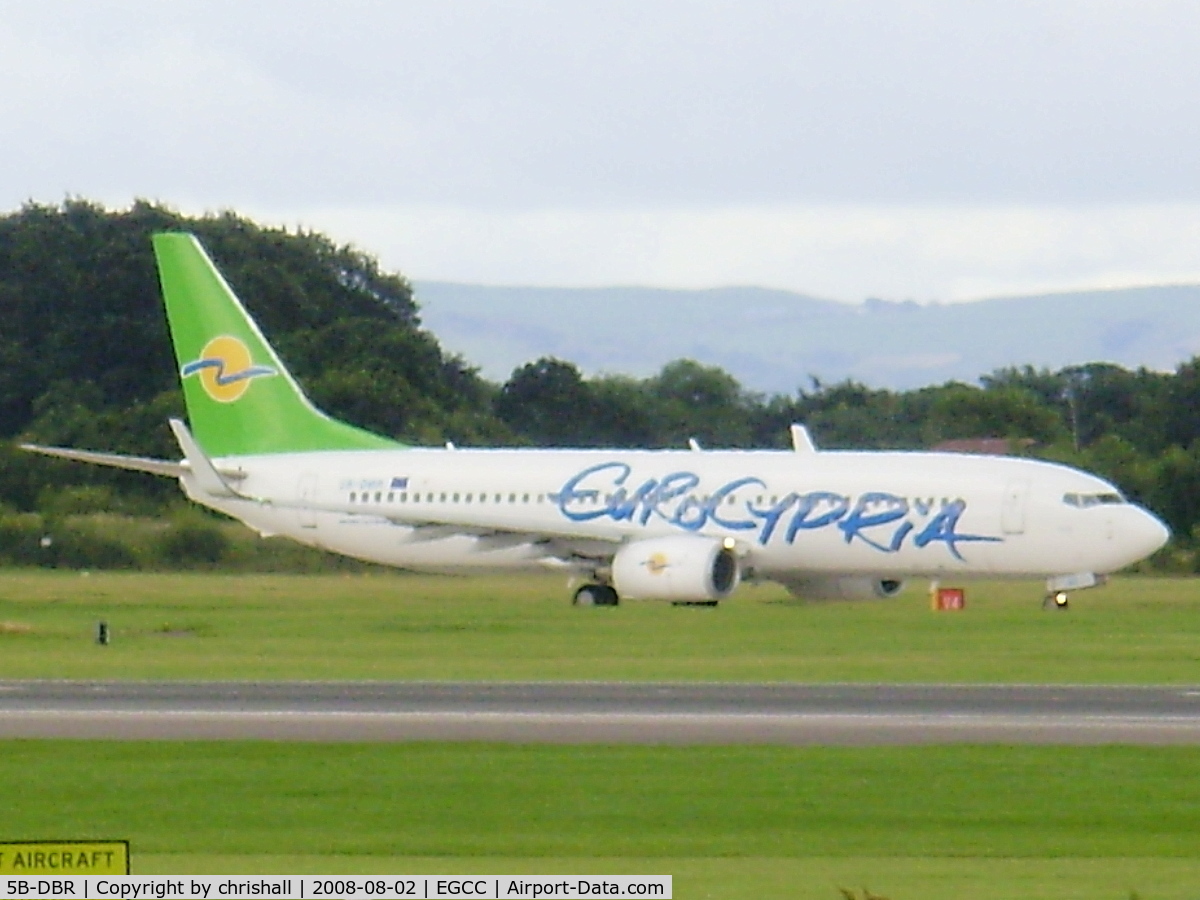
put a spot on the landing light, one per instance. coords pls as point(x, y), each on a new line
point(1060, 599)
point(729, 543)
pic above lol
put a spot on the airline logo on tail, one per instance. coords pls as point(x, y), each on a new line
point(225, 369)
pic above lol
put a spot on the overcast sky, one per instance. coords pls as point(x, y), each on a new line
point(934, 151)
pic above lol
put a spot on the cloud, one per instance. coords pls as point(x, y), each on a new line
point(941, 149)
point(620, 104)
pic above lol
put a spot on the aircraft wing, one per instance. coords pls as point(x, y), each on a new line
point(493, 538)
point(556, 548)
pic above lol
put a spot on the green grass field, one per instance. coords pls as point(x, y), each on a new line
point(937, 822)
point(728, 822)
point(196, 626)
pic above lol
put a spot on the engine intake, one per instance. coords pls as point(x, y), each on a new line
point(676, 568)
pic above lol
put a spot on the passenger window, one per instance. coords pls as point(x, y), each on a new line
point(524, 498)
point(442, 498)
point(353, 496)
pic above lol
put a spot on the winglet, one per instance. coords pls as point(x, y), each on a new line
point(208, 479)
point(802, 441)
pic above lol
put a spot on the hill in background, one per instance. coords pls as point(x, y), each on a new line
point(776, 340)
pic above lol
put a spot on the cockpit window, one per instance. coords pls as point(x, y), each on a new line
point(1083, 501)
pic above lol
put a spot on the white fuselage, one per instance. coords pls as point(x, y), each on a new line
point(882, 514)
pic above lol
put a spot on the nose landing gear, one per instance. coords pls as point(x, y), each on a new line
point(1057, 587)
point(1056, 600)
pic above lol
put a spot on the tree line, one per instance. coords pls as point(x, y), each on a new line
point(86, 361)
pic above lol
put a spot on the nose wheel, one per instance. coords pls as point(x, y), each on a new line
point(1057, 587)
point(1056, 600)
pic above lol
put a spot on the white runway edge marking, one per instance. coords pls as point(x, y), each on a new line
point(915, 720)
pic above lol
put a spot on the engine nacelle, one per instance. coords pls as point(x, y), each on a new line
point(676, 568)
point(844, 587)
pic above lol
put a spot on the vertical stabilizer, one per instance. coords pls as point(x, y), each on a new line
point(240, 398)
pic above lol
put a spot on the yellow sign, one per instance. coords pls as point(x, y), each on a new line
point(64, 858)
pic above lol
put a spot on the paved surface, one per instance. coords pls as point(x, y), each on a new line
point(601, 712)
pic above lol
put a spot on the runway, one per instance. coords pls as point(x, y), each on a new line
point(600, 712)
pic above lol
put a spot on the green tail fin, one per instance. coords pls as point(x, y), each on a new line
point(240, 398)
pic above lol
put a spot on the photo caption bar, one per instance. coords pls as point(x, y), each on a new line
point(308, 887)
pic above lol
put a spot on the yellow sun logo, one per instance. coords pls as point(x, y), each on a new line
point(225, 369)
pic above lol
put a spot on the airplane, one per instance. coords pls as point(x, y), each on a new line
point(686, 526)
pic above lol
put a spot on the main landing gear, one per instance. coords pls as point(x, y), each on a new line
point(596, 595)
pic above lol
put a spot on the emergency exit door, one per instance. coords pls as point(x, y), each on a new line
point(1012, 508)
point(308, 500)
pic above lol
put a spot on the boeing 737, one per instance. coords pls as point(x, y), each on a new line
point(677, 525)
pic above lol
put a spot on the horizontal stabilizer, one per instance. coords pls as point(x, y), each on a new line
point(135, 463)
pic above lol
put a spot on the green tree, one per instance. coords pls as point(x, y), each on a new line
point(549, 403)
point(844, 415)
point(1174, 492)
point(1183, 405)
point(701, 402)
point(962, 411)
point(624, 414)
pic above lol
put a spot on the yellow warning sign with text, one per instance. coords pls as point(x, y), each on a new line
point(64, 858)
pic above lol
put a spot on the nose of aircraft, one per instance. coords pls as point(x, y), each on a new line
point(1146, 534)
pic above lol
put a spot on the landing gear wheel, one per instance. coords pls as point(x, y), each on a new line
point(1058, 600)
point(596, 595)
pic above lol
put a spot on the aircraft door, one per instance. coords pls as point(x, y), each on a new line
point(308, 499)
point(1012, 507)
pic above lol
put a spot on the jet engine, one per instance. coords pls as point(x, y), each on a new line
point(844, 587)
point(683, 568)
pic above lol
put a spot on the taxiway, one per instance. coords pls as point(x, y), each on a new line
point(600, 712)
